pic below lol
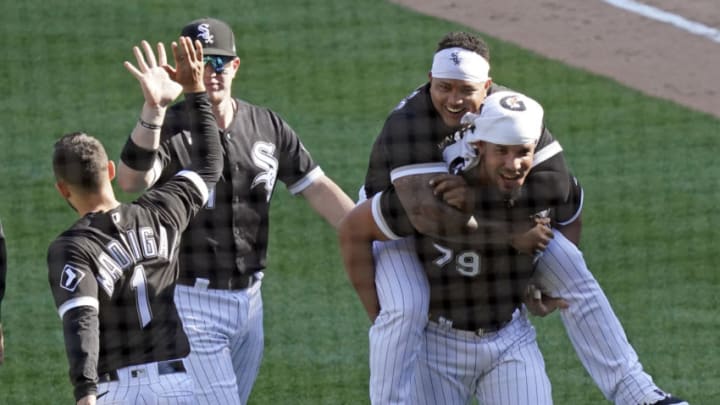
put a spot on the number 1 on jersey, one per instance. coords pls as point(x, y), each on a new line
point(139, 285)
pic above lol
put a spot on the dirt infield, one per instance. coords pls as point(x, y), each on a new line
point(654, 57)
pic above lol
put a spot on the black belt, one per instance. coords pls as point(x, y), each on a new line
point(163, 368)
point(236, 282)
point(479, 331)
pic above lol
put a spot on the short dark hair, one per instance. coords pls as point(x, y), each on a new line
point(80, 160)
point(464, 40)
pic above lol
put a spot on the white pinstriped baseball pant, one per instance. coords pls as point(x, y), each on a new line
point(225, 329)
point(142, 385)
point(498, 368)
point(592, 326)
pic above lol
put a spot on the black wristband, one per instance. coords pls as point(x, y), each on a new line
point(148, 125)
point(137, 158)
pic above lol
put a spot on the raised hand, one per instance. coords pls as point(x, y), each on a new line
point(189, 64)
point(158, 88)
point(534, 240)
point(454, 190)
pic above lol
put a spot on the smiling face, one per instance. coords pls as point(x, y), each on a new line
point(505, 166)
point(219, 85)
point(453, 98)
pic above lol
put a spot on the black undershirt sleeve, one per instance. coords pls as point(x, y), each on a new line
point(82, 344)
point(137, 158)
point(206, 150)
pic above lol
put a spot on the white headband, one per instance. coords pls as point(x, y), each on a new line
point(460, 64)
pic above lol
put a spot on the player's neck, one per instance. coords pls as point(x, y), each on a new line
point(225, 112)
point(95, 202)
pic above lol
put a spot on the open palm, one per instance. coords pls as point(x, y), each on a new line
point(158, 88)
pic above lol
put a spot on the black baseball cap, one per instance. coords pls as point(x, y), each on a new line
point(216, 36)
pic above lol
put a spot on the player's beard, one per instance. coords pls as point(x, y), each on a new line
point(513, 195)
point(510, 189)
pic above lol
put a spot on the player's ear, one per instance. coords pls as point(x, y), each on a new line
point(63, 189)
point(479, 147)
point(235, 63)
point(111, 169)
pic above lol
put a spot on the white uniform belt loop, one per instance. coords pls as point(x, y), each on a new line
point(202, 283)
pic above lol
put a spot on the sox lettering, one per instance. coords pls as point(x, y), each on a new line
point(262, 157)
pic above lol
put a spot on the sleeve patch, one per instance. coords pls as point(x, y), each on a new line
point(71, 278)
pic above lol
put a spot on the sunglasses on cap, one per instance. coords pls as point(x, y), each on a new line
point(217, 62)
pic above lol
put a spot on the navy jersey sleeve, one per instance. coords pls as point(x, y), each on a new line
point(174, 152)
point(297, 169)
point(549, 182)
point(571, 209)
point(177, 200)
point(390, 216)
point(407, 145)
point(75, 291)
point(70, 275)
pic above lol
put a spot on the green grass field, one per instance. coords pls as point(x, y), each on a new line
point(334, 69)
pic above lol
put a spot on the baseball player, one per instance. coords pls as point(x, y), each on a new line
point(406, 155)
point(112, 273)
point(3, 273)
point(223, 252)
point(479, 342)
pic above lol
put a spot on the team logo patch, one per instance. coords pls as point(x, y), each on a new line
point(513, 103)
point(204, 33)
point(455, 58)
point(71, 278)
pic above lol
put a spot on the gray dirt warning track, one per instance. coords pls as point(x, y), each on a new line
point(657, 58)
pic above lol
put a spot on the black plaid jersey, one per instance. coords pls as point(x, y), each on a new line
point(414, 137)
point(231, 233)
point(124, 264)
point(474, 285)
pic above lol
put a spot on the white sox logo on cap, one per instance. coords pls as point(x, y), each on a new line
point(204, 33)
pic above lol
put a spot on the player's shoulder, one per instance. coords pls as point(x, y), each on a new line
point(415, 103)
point(495, 87)
point(414, 116)
point(173, 195)
point(71, 241)
point(248, 109)
point(249, 116)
